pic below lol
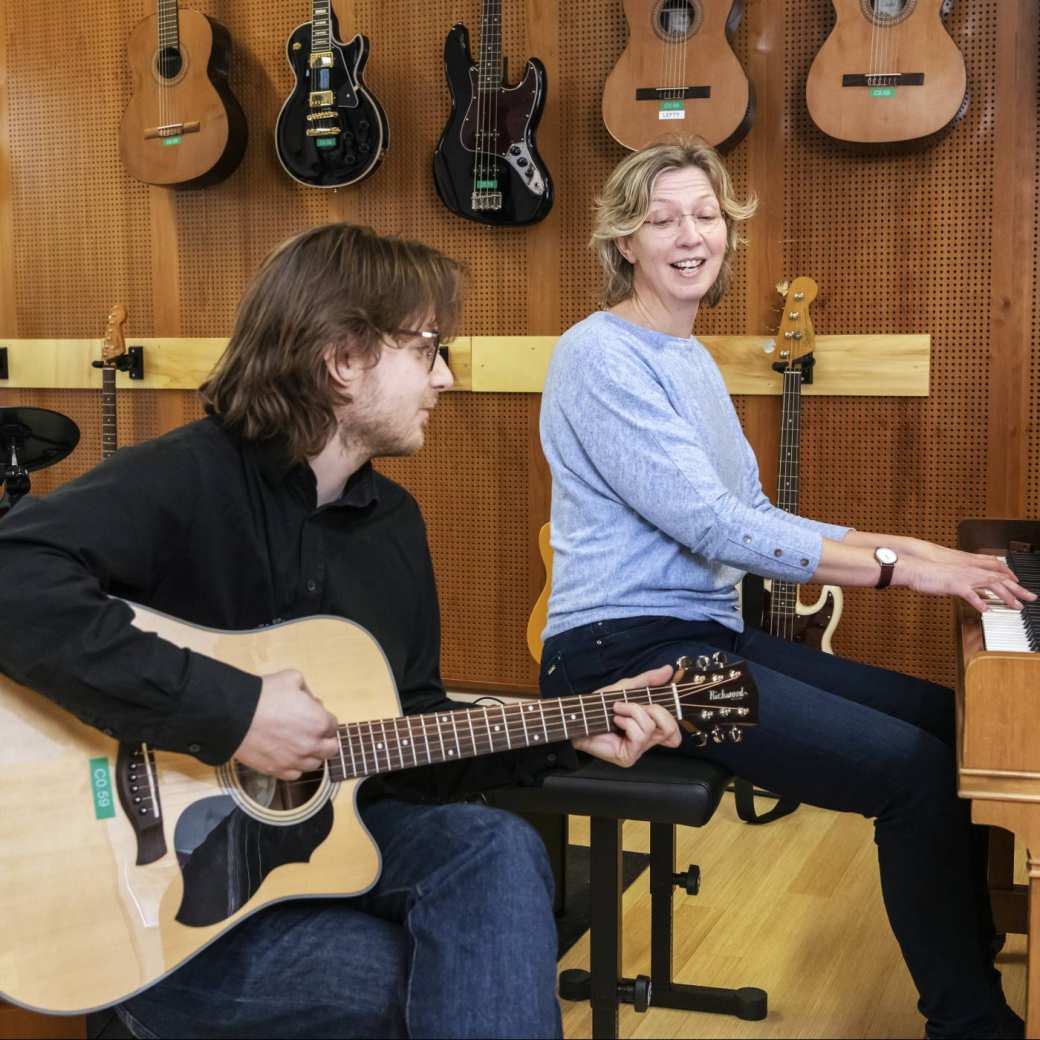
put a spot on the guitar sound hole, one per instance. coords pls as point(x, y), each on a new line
point(169, 62)
point(887, 12)
point(677, 20)
point(270, 793)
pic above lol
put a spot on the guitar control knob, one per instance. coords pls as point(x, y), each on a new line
point(515, 149)
point(736, 734)
point(521, 162)
point(364, 125)
point(529, 172)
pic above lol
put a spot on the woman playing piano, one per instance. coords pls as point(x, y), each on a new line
point(657, 511)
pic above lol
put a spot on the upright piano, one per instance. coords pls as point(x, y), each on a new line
point(998, 730)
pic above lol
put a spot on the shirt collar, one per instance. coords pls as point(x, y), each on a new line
point(279, 467)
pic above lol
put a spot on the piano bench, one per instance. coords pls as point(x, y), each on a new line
point(664, 789)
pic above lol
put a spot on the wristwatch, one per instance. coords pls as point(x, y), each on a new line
point(888, 559)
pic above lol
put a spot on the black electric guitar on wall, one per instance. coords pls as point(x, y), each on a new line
point(331, 131)
point(486, 166)
point(121, 861)
point(784, 615)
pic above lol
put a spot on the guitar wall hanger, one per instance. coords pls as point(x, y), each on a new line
point(132, 362)
point(4, 372)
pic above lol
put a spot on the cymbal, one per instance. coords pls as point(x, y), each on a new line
point(38, 436)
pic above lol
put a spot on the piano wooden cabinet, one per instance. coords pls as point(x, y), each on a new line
point(998, 751)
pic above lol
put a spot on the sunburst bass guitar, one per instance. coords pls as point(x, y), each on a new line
point(119, 861)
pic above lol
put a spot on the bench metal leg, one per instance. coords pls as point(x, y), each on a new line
point(605, 925)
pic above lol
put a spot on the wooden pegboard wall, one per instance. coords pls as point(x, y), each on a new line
point(897, 243)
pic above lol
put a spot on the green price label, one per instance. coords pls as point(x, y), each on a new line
point(882, 91)
point(167, 141)
point(101, 786)
point(672, 106)
point(493, 184)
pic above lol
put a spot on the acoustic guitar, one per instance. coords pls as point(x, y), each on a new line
point(486, 165)
point(889, 72)
point(183, 126)
point(678, 75)
point(121, 861)
point(784, 615)
point(331, 131)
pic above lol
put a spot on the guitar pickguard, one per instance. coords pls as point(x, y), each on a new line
point(225, 855)
point(814, 624)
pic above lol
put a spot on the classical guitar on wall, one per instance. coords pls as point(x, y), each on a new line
point(486, 166)
point(678, 75)
point(331, 131)
point(888, 73)
point(784, 615)
point(183, 126)
point(121, 861)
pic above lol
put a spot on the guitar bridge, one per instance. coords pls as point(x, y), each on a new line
point(486, 200)
point(138, 785)
point(171, 130)
point(323, 131)
point(322, 60)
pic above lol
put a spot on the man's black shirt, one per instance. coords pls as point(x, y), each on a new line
point(222, 532)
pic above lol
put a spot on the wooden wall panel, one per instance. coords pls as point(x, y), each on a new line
point(940, 240)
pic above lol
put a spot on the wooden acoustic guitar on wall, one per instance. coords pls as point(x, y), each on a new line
point(486, 165)
point(888, 73)
point(121, 861)
point(678, 75)
point(784, 615)
point(183, 127)
point(332, 130)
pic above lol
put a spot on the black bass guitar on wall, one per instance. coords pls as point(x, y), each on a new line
point(331, 131)
point(486, 166)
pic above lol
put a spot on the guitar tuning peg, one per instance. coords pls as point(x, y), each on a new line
point(783, 286)
point(682, 666)
point(703, 663)
point(718, 659)
point(700, 739)
point(736, 734)
point(716, 735)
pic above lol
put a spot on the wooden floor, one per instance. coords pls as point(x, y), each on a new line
point(793, 907)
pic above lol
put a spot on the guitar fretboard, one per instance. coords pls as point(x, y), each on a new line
point(321, 26)
point(108, 412)
point(489, 69)
point(390, 745)
point(784, 597)
point(169, 29)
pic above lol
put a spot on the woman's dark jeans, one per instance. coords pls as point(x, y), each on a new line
point(845, 736)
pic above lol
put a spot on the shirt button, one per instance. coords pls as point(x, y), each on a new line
point(551, 758)
point(805, 562)
point(312, 586)
point(778, 552)
point(747, 539)
point(194, 749)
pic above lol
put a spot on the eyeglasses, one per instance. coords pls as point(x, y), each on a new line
point(668, 223)
point(430, 346)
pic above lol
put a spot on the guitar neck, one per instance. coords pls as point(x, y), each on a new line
point(489, 75)
point(321, 26)
point(784, 597)
point(169, 25)
point(390, 745)
point(108, 412)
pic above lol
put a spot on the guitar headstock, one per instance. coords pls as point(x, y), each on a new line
point(718, 699)
point(795, 336)
point(114, 346)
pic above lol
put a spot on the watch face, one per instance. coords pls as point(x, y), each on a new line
point(885, 555)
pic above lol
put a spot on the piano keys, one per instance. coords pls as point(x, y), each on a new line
point(998, 731)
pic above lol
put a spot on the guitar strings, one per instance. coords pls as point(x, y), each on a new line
point(588, 707)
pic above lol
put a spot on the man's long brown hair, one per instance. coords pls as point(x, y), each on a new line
point(314, 293)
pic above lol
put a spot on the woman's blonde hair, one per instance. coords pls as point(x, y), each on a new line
point(315, 292)
point(625, 201)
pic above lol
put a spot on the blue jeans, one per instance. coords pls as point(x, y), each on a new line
point(456, 939)
point(845, 736)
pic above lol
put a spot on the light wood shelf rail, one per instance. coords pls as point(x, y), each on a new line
point(855, 366)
